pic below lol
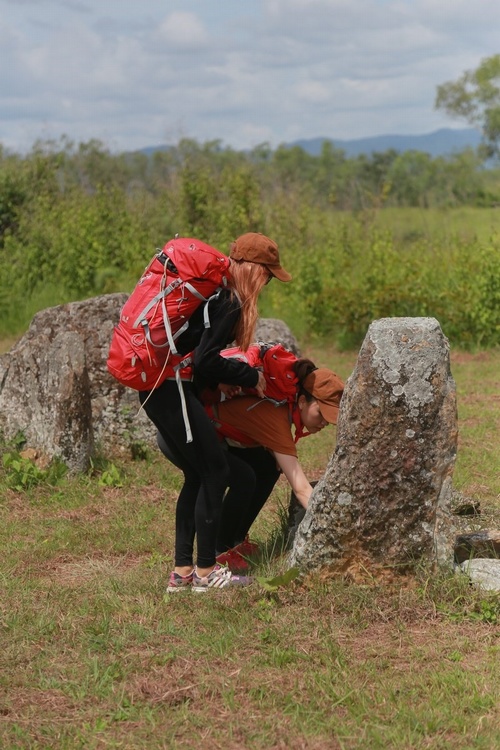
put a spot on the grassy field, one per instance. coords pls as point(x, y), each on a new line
point(466, 223)
point(93, 655)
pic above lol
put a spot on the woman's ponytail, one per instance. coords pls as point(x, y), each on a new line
point(302, 368)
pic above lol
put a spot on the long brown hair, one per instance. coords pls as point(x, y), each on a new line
point(247, 282)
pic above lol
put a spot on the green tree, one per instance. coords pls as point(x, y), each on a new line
point(412, 175)
point(475, 97)
point(329, 172)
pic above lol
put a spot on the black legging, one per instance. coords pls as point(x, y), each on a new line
point(203, 463)
point(252, 475)
point(244, 500)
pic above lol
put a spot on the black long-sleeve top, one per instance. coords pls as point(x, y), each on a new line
point(209, 367)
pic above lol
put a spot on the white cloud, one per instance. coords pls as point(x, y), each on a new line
point(182, 30)
point(135, 74)
point(313, 92)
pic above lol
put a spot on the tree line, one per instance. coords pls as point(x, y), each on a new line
point(389, 178)
point(77, 220)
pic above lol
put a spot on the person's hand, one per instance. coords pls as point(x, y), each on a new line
point(261, 385)
point(229, 390)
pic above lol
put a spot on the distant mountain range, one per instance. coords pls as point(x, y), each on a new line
point(439, 143)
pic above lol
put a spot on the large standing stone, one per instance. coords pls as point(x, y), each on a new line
point(384, 500)
point(55, 389)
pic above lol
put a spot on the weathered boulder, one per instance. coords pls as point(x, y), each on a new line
point(384, 501)
point(55, 388)
point(482, 573)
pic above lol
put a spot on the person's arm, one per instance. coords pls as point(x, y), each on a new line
point(235, 390)
point(209, 367)
point(297, 480)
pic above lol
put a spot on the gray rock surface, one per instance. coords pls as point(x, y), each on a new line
point(55, 388)
point(272, 330)
point(385, 498)
point(483, 573)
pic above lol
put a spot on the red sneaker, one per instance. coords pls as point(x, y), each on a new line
point(234, 560)
point(246, 548)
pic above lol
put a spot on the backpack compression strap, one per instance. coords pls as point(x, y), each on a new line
point(177, 370)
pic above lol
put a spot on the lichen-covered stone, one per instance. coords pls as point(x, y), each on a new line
point(385, 497)
point(54, 386)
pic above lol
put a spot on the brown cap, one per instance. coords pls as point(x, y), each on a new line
point(327, 389)
point(257, 248)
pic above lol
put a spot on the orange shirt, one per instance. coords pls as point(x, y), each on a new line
point(264, 423)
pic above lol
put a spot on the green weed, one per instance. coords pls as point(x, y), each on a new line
point(111, 477)
point(23, 474)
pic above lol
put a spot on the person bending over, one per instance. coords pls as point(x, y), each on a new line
point(233, 315)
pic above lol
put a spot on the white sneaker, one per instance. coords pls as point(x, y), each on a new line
point(219, 578)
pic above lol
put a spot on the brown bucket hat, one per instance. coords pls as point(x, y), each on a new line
point(257, 248)
point(327, 389)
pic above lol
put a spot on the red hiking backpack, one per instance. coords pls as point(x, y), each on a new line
point(276, 362)
point(282, 385)
point(179, 278)
point(182, 276)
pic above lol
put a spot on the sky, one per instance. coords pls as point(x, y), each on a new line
point(140, 73)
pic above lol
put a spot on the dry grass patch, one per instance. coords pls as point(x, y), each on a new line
point(74, 572)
